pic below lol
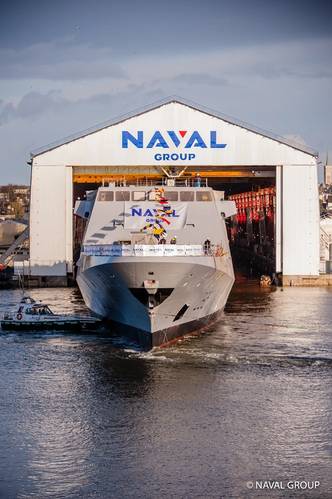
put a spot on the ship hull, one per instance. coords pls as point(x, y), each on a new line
point(198, 289)
point(167, 337)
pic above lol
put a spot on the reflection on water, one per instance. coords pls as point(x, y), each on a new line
point(248, 400)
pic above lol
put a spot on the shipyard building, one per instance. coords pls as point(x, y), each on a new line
point(273, 182)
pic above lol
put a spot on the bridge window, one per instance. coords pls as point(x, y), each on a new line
point(105, 196)
point(122, 196)
point(187, 195)
point(171, 195)
point(203, 196)
point(153, 195)
point(138, 196)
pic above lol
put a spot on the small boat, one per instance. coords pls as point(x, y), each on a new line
point(32, 315)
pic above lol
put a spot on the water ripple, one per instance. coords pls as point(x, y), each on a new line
point(92, 416)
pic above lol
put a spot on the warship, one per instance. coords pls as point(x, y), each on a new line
point(155, 257)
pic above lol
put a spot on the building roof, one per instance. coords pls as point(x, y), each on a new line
point(178, 100)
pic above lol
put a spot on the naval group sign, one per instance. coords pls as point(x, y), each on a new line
point(139, 214)
point(169, 141)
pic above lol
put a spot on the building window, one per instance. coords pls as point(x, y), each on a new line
point(203, 196)
point(105, 196)
point(122, 196)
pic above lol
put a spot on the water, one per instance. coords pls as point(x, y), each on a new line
point(248, 401)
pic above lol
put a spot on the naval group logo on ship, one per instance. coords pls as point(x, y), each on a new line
point(144, 215)
point(155, 220)
point(171, 139)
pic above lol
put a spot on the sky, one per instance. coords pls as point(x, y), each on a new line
point(68, 65)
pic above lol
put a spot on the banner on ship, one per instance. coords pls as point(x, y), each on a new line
point(138, 215)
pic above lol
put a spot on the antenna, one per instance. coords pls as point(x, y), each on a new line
point(21, 283)
point(173, 171)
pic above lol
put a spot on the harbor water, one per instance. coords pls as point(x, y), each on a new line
point(243, 410)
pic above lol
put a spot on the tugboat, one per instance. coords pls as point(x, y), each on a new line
point(32, 315)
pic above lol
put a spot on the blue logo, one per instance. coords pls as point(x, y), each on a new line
point(138, 212)
point(170, 138)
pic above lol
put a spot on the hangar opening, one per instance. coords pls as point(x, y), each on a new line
point(251, 232)
point(255, 169)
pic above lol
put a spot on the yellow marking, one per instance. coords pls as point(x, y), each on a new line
point(107, 177)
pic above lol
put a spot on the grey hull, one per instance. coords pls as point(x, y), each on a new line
point(200, 287)
point(166, 337)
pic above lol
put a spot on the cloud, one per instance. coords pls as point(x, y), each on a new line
point(198, 79)
point(296, 138)
point(60, 60)
point(33, 104)
point(307, 58)
point(284, 87)
point(67, 60)
point(43, 118)
point(232, 69)
point(272, 72)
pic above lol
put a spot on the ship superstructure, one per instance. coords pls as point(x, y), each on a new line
point(155, 258)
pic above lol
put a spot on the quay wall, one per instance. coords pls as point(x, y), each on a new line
point(307, 280)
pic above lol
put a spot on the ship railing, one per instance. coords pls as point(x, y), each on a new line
point(163, 182)
point(168, 250)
